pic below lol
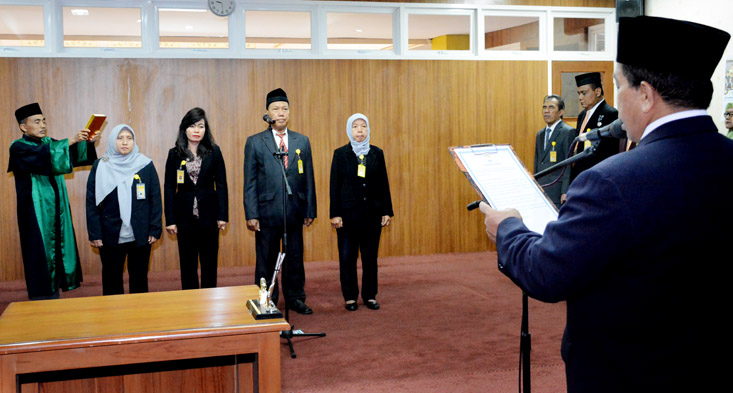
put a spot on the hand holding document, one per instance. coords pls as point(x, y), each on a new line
point(501, 179)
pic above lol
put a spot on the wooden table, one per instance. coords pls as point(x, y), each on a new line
point(198, 340)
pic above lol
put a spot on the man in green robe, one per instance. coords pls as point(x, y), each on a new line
point(38, 163)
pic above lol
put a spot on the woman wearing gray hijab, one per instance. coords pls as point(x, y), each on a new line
point(123, 211)
point(361, 205)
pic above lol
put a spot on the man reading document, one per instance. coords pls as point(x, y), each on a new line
point(639, 251)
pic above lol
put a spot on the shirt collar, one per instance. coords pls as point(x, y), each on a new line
point(590, 112)
point(670, 118)
point(552, 127)
point(277, 135)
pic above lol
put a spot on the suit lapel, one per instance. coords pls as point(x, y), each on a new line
point(293, 145)
point(205, 163)
point(546, 148)
point(269, 141)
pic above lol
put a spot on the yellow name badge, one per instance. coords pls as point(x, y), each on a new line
point(361, 169)
point(300, 162)
point(180, 173)
point(140, 188)
point(553, 153)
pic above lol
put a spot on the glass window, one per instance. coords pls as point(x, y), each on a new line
point(512, 33)
point(261, 30)
point(359, 31)
point(438, 32)
point(21, 25)
point(579, 34)
point(95, 27)
point(192, 29)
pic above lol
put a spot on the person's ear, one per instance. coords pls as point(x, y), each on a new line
point(648, 96)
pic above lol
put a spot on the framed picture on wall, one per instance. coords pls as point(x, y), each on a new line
point(563, 84)
point(728, 80)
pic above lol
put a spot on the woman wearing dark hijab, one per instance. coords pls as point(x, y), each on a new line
point(123, 211)
point(196, 200)
point(360, 206)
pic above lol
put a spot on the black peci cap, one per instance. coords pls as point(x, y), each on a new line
point(27, 111)
point(670, 46)
point(586, 79)
point(275, 96)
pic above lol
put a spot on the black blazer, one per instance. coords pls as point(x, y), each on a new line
point(263, 185)
point(210, 191)
point(643, 295)
point(603, 115)
point(104, 222)
point(354, 197)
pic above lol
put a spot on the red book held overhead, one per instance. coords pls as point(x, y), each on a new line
point(96, 124)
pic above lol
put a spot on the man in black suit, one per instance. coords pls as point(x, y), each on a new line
point(263, 199)
point(552, 146)
point(638, 251)
point(596, 113)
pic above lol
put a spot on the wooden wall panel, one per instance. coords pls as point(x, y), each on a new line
point(417, 109)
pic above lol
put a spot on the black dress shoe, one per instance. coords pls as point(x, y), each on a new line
point(301, 308)
point(352, 306)
point(372, 304)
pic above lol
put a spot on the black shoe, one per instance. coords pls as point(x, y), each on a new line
point(352, 306)
point(300, 307)
point(372, 304)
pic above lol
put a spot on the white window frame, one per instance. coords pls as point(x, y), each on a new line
point(609, 16)
point(53, 31)
point(57, 28)
point(281, 53)
point(537, 12)
point(355, 53)
point(439, 54)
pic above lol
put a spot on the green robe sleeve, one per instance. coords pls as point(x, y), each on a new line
point(60, 156)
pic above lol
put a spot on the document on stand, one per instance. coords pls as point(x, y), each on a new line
point(501, 179)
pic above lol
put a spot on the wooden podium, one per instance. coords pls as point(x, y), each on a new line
point(194, 341)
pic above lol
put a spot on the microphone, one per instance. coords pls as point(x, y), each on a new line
point(612, 130)
point(268, 119)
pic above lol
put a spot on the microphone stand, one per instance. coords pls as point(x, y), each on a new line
point(525, 341)
point(290, 333)
point(577, 157)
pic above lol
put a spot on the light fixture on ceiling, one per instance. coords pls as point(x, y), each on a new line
point(80, 12)
point(358, 30)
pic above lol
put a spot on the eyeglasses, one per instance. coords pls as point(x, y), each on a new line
point(727, 114)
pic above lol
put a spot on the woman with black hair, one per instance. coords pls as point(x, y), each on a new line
point(196, 201)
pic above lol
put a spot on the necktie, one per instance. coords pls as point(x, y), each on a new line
point(578, 147)
point(547, 136)
point(283, 148)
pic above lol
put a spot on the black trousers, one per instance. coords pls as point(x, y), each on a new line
point(293, 273)
point(113, 264)
point(197, 244)
point(362, 234)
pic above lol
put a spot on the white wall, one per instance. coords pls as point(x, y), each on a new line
point(715, 13)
